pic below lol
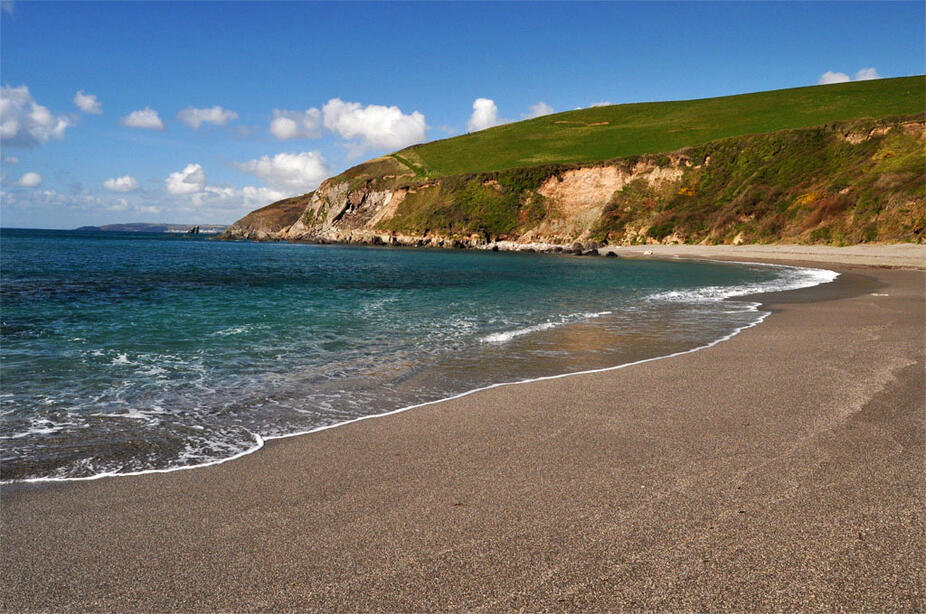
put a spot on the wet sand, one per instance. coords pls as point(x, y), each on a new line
point(780, 470)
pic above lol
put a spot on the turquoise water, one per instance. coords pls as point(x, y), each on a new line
point(128, 352)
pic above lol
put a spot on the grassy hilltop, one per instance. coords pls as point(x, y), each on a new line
point(832, 164)
point(604, 133)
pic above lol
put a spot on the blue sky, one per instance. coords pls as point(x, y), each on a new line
point(201, 112)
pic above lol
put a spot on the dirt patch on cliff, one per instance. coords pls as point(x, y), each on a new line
point(387, 212)
point(580, 190)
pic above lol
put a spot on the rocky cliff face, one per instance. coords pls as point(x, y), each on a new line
point(848, 183)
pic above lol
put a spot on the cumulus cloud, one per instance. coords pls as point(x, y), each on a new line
point(289, 174)
point(864, 74)
point(30, 180)
point(125, 183)
point(537, 110)
point(11, 159)
point(88, 103)
point(194, 118)
point(833, 77)
point(219, 199)
point(25, 122)
point(190, 180)
point(143, 118)
point(261, 195)
point(603, 103)
point(294, 173)
point(296, 124)
point(485, 115)
point(867, 74)
point(375, 126)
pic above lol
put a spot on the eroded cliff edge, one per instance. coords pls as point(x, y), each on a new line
point(845, 183)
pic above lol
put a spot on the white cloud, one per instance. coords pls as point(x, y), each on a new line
point(603, 103)
point(125, 183)
point(538, 110)
point(143, 118)
point(11, 159)
point(485, 115)
point(376, 126)
point(290, 172)
point(221, 199)
point(30, 180)
point(867, 74)
point(119, 205)
point(190, 180)
point(296, 124)
point(25, 122)
point(833, 77)
point(194, 118)
point(864, 74)
point(261, 195)
point(88, 103)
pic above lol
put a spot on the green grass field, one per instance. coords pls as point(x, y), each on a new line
point(656, 127)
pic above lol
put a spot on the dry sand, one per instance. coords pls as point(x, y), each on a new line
point(780, 470)
point(898, 255)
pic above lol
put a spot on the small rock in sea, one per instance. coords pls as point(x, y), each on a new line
point(610, 254)
point(648, 252)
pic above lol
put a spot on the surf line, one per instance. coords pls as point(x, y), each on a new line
point(260, 441)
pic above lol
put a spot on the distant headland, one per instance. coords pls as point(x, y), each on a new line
point(206, 229)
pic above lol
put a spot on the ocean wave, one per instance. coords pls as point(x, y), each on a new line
point(234, 330)
point(508, 335)
point(794, 278)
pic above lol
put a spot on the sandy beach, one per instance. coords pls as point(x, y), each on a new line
point(779, 470)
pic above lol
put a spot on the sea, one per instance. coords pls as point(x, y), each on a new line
point(126, 353)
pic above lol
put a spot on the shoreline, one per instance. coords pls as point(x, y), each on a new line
point(372, 531)
point(262, 441)
point(882, 255)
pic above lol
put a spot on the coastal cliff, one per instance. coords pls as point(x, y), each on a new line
point(841, 183)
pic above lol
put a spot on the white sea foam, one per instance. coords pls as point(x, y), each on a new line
point(234, 330)
point(508, 335)
point(794, 278)
point(43, 426)
point(153, 370)
point(511, 334)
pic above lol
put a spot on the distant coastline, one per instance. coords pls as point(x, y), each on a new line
point(206, 229)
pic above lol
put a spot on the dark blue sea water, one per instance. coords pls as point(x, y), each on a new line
point(124, 352)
